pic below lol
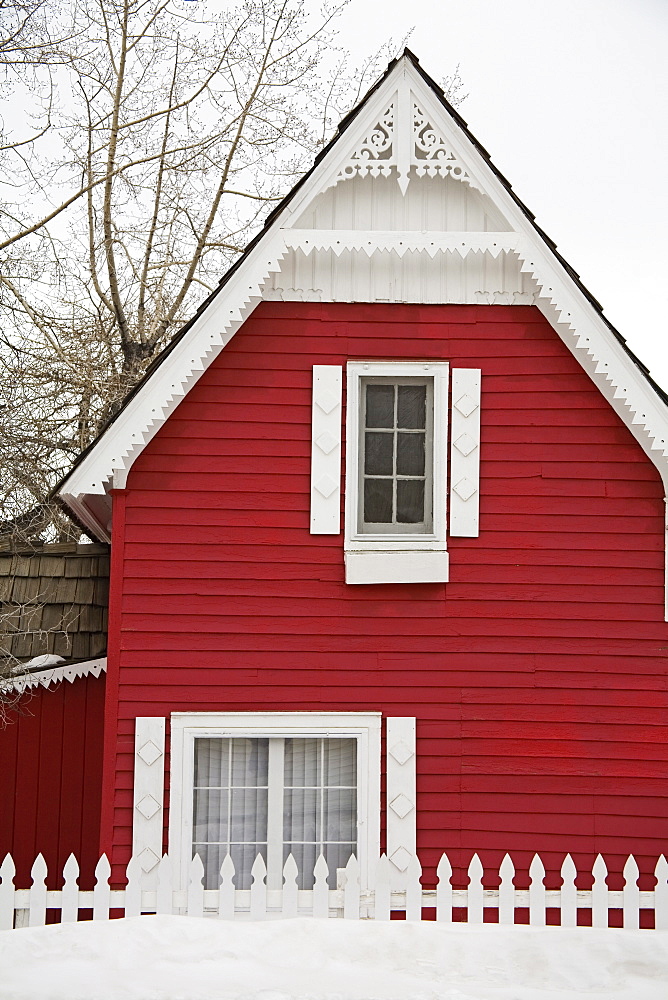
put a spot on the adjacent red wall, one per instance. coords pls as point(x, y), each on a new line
point(50, 779)
point(537, 674)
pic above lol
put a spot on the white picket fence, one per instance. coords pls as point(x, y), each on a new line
point(350, 900)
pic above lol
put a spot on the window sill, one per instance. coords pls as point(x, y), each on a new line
point(397, 566)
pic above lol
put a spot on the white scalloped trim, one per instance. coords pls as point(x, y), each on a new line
point(54, 675)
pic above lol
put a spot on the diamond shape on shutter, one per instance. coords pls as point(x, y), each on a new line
point(326, 442)
point(148, 806)
point(465, 444)
point(465, 489)
point(466, 405)
point(401, 859)
point(401, 805)
point(148, 859)
point(326, 486)
point(326, 401)
point(149, 752)
point(401, 752)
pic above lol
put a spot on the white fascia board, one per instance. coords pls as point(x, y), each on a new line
point(565, 306)
point(139, 421)
point(53, 675)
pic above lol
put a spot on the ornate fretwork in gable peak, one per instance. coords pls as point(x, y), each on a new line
point(433, 155)
point(374, 154)
point(404, 138)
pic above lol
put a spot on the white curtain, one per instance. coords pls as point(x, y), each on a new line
point(314, 804)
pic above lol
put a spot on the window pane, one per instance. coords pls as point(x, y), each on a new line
point(301, 814)
point(410, 501)
point(380, 406)
point(211, 763)
point(340, 814)
point(378, 501)
point(412, 406)
point(249, 761)
point(210, 814)
point(340, 762)
point(306, 856)
point(410, 454)
point(378, 453)
point(243, 856)
point(248, 815)
point(301, 762)
point(337, 856)
point(212, 856)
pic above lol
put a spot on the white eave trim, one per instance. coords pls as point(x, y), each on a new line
point(565, 306)
point(54, 675)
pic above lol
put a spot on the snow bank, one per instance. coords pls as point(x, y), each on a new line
point(183, 958)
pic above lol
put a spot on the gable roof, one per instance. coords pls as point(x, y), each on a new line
point(404, 128)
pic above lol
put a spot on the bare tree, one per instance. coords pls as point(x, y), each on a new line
point(172, 128)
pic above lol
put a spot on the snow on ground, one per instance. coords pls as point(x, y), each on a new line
point(184, 958)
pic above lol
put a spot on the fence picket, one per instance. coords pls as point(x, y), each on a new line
point(7, 873)
point(226, 889)
point(506, 891)
point(660, 895)
point(290, 906)
point(413, 889)
point(536, 892)
point(37, 903)
point(444, 890)
point(599, 894)
point(321, 889)
point(568, 896)
point(101, 889)
point(69, 899)
point(133, 899)
point(258, 891)
point(195, 905)
point(165, 890)
point(631, 895)
point(351, 890)
point(475, 890)
point(381, 896)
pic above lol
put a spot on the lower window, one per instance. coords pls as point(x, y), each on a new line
point(244, 789)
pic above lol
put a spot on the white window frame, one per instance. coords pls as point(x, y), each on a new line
point(188, 726)
point(392, 557)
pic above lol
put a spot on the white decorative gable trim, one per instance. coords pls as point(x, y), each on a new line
point(54, 675)
point(402, 129)
point(404, 137)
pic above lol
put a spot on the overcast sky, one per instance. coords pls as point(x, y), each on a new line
point(570, 99)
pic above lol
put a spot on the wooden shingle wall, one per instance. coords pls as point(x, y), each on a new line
point(53, 600)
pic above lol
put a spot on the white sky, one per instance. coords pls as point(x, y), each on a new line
point(569, 97)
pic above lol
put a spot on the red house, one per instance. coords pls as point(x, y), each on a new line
point(387, 529)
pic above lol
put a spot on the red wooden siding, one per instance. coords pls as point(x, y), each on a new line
point(537, 674)
point(50, 780)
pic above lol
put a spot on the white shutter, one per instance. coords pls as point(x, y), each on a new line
point(465, 453)
point(326, 450)
point(148, 798)
point(401, 797)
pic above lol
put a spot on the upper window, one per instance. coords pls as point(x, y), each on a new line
point(272, 785)
point(396, 466)
point(396, 472)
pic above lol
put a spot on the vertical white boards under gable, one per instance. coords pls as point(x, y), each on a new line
point(326, 450)
point(465, 453)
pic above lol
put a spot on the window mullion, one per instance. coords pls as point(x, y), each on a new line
point(275, 813)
